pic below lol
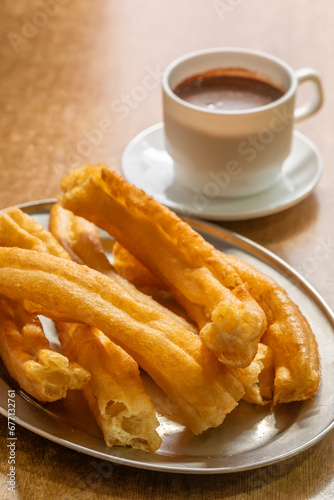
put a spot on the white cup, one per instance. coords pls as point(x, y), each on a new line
point(234, 152)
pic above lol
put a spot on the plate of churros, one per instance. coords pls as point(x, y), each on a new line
point(135, 336)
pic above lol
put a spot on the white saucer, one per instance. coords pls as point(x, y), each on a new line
point(147, 165)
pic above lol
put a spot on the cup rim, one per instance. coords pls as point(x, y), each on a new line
point(191, 55)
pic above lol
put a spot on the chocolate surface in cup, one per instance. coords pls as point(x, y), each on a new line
point(228, 89)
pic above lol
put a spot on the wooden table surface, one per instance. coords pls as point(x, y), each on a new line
point(74, 88)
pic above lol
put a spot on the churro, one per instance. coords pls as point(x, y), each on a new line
point(190, 268)
point(293, 349)
point(18, 229)
point(115, 393)
point(40, 371)
point(80, 239)
point(176, 358)
point(296, 356)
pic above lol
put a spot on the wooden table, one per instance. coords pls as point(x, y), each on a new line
point(75, 88)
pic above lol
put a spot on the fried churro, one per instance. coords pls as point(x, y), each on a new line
point(136, 429)
point(293, 353)
point(296, 356)
point(80, 239)
point(18, 229)
point(40, 371)
point(131, 426)
point(191, 269)
point(178, 361)
point(115, 394)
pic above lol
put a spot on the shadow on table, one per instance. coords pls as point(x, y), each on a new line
point(71, 475)
point(297, 478)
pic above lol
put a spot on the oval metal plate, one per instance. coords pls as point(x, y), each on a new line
point(251, 436)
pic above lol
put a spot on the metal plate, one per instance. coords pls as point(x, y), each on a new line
point(251, 436)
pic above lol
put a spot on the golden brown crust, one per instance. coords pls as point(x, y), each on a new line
point(193, 271)
point(81, 240)
point(18, 229)
point(130, 268)
point(115, 393)
point(40, 371)
point(258, 378)
point(297, 361)
point(289, 335)
point(175, 358)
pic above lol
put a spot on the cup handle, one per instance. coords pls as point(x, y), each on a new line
point(315, 103)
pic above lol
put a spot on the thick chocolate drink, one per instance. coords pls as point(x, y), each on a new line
point(227, 90)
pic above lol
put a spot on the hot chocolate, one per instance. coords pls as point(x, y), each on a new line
point(228, 90)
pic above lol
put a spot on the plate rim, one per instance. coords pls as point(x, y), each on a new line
point(254, 249)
